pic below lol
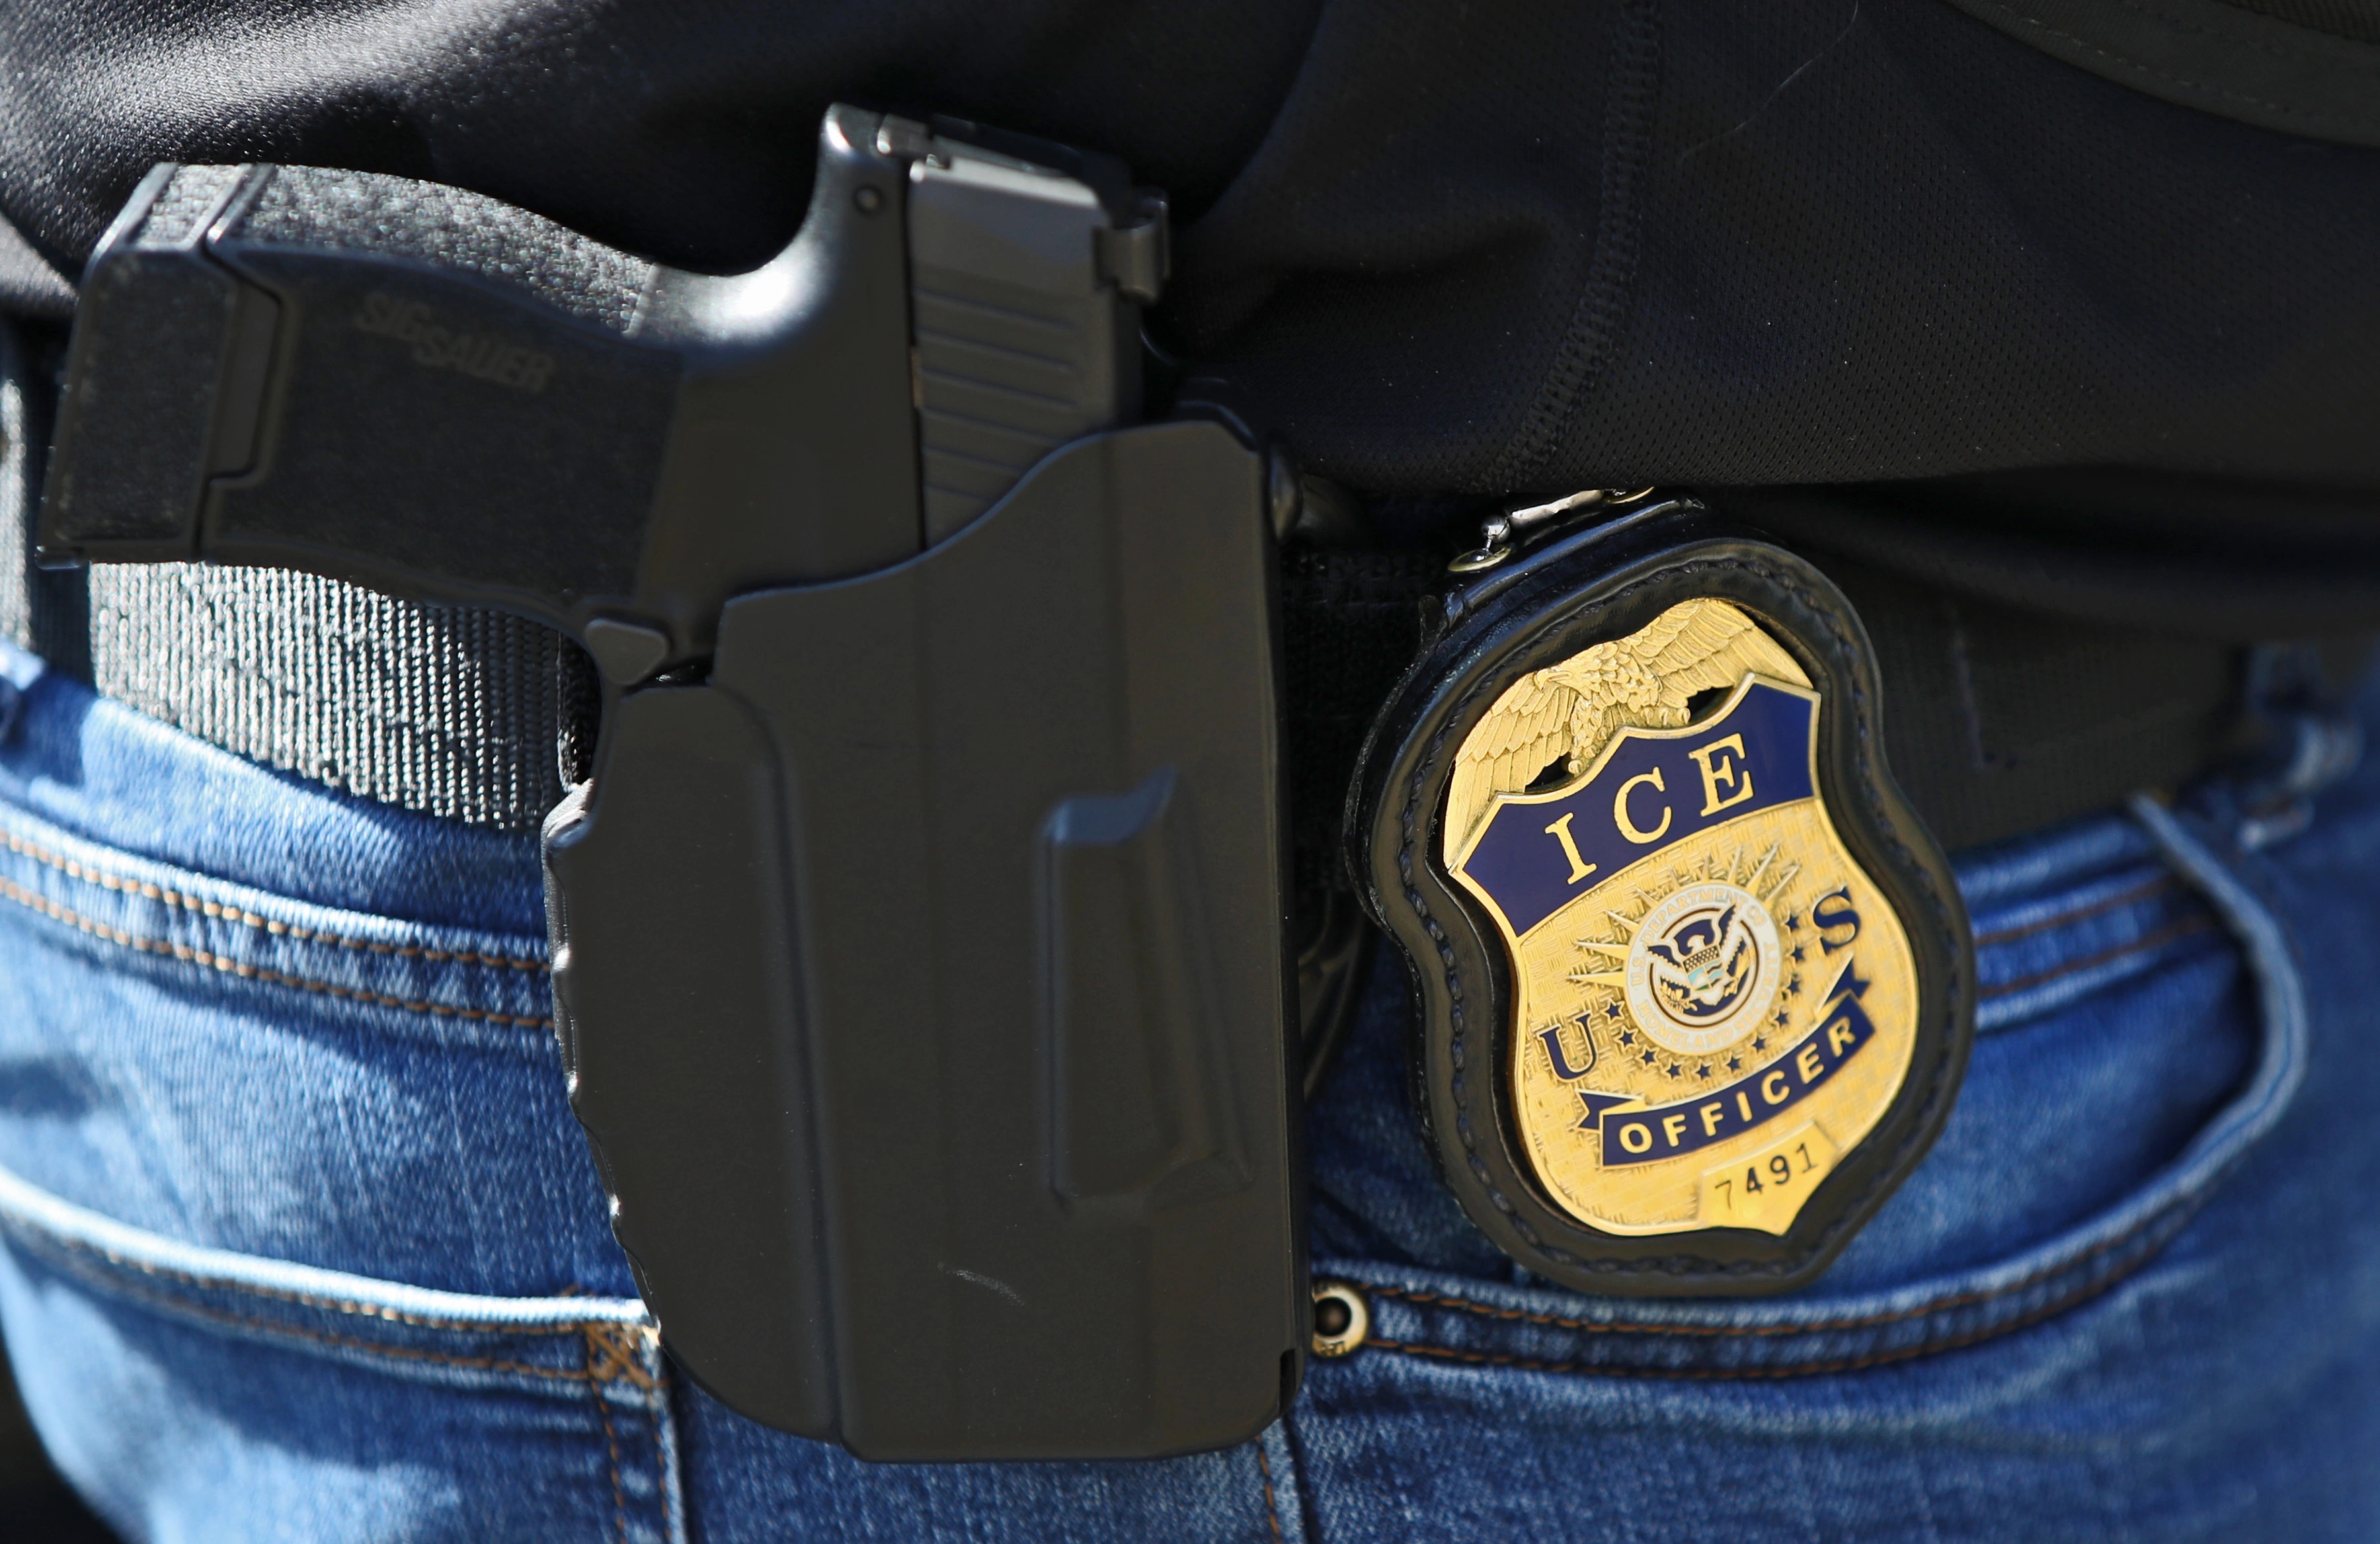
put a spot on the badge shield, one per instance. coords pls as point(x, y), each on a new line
point(1715, 1002)
point(1694, 981)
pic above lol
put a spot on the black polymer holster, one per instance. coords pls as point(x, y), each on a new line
point(918, 940)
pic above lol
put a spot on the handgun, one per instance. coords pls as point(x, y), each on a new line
point(918, 940)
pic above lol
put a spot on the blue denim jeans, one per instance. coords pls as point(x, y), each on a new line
point(303, 1243)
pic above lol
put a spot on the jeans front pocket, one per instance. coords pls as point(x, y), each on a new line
point(186, 1388)
point(301, 1241)
point(2025, 1335)
point(298, 1237)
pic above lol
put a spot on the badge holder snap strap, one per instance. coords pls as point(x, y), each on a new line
point(2003, 720)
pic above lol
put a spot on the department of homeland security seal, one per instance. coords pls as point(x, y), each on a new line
point(1695, 980)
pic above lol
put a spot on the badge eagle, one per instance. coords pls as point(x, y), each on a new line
point(1712, 1004)
point(1566, 713)
point(1705, 970)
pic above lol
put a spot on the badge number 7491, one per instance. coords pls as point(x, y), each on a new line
point(1764, 1189)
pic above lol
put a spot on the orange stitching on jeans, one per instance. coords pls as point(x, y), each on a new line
point(1272, 1507)
point(595, 1380)
point(398, 1353)
point(650, 1373)
point(2146, 943)
point(1807, 1369)
point(39, 1239)
point(55, 912)
point(2140, 892)
point(1820, 1327)
point(621, 1359)
point(75, 869)
point(302, 1299)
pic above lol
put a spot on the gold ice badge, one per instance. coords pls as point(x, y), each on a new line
point(1700, 967)
point(1695, 981)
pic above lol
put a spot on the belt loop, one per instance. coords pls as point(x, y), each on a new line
point(2279, 989)
point(46, 611)
point(2309, 738)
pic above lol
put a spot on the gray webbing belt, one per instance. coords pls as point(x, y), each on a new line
point(454, 712)
point(449, 711)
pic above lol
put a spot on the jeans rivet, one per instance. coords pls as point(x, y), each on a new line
point(1341, 1320)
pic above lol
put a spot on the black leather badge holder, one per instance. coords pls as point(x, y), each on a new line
point(1696, 985)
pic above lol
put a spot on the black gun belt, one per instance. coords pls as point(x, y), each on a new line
point(2002, 720)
